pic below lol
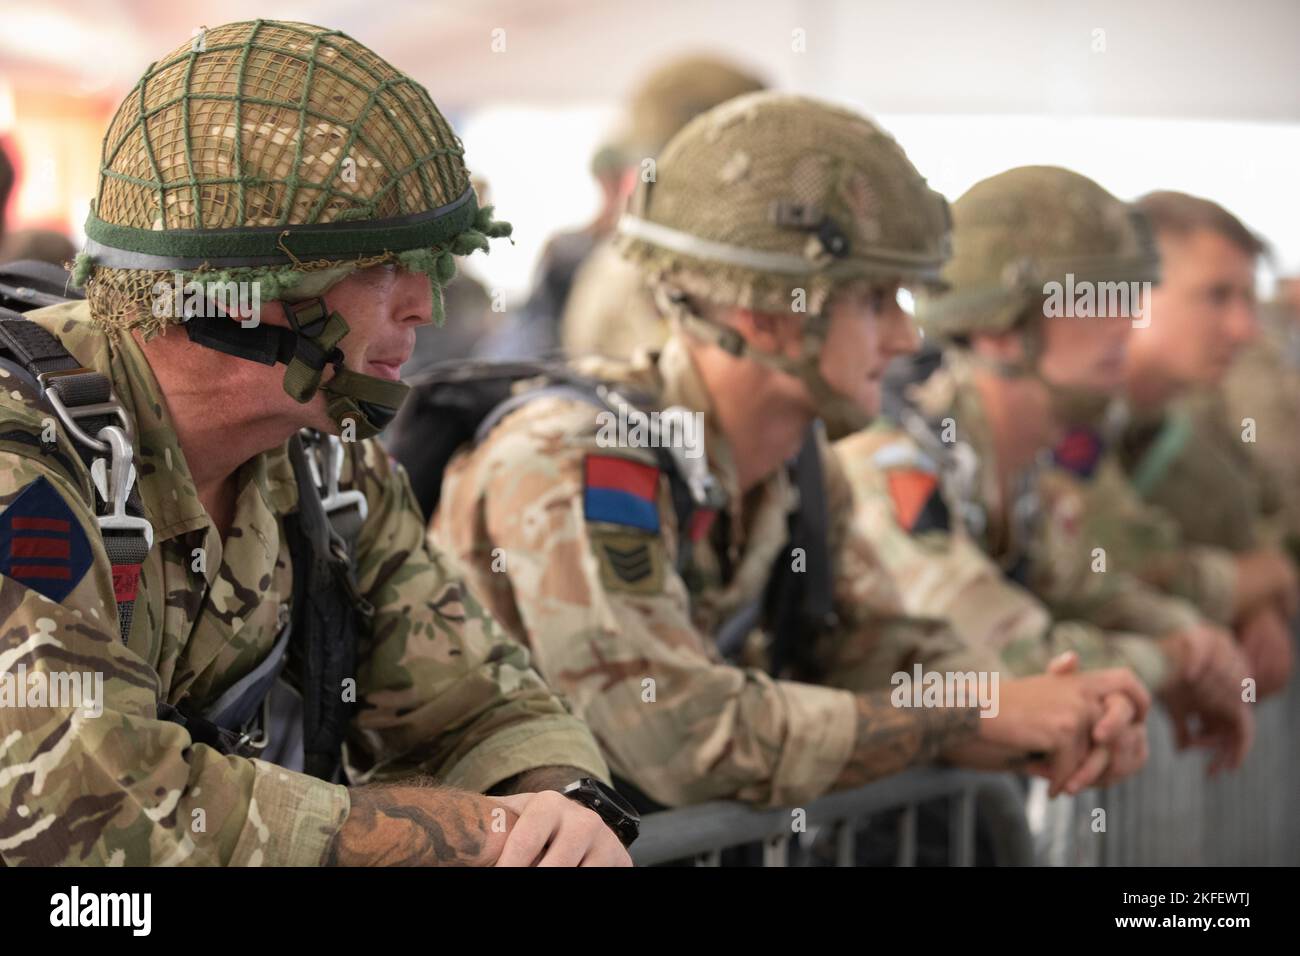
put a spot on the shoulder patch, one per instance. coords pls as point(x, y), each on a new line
point(918, 504)
point(621, 491)
point(42, 545)
point(1080, 451)
point(629, 562)
point(912, 478)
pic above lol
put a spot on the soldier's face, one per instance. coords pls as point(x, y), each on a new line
point(1203, 310)
point(383, 306)
point(1085, 353)
point(868, 330)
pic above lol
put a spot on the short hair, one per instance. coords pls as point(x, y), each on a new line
point(1180, 214)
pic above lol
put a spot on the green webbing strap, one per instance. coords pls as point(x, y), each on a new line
point(126, 247)
point(1168, 443)
point(318, 334)
point(367, 388)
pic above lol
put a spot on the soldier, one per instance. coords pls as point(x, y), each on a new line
point(965, 463)
point(1262, 387)
point(1179, 450)
point(289, 159)
point(777, 233)
point(608, 310)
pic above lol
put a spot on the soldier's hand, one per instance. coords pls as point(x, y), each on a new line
point(1056, 714)
point(1266, 641)
point(552, 830)
point(1205, 702)
point(1265, 576)
point(1118, 738)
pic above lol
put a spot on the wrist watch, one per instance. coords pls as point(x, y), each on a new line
point(618, 814)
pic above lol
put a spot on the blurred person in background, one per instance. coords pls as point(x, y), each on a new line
point(6, 187)
point(609, 310)
point(37, 245)
point(1178, 448)
point(1263, 385)
point(533, 330)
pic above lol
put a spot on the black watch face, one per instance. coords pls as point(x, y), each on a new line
point(615, 798)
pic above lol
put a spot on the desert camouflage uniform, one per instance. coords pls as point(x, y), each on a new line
point(627, 638)
point(1039, 539)
point(940, 570)
point(440, 688)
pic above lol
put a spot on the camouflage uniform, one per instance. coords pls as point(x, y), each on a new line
point(1263, 385)
point(941, 570)
point(605, 609)
point(439, 688)
point(571, 538)
point(947, 527)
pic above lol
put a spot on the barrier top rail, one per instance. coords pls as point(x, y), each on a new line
point(710, 827)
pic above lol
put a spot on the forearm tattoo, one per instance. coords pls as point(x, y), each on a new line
point(890, 739)
point(411, 823)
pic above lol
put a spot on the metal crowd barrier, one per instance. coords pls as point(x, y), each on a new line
point(702, 832)
point(1171, 814)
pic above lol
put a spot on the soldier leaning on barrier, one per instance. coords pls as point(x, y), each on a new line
point(190, 589)
point(777, 232)
point(976, 449)
point(1178, 447)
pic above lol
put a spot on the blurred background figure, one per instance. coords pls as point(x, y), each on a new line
point(586, 298)
point(6, 187)
point(41, 245)
point(1263, 387)
point(610, 311)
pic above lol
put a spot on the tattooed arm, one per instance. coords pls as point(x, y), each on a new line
point(890, 739)
point(418, 823)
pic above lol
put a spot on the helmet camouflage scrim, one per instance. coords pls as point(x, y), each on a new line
point(290, 156)
point(1019, 231)
point(770, 202)
point(1016, 237)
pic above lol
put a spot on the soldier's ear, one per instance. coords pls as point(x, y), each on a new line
point(999, 346)
point(766, 331)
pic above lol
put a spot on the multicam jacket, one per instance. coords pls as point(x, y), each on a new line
point(572, 542)
point(440, 688)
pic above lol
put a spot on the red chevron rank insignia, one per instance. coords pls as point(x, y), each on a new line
point(42, 545)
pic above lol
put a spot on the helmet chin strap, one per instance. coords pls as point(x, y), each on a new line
point(841, 415)
point(1068, 405)
point(366, 402)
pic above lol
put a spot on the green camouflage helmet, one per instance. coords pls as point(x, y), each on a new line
point(286, 155)
point(769, 202)
point(1018, 231)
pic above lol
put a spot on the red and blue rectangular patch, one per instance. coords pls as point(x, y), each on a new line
point(621, 491)
point(42, 545)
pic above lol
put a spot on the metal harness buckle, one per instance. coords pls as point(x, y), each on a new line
point(325, 455)
point(114, 482)
point(69, 416)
